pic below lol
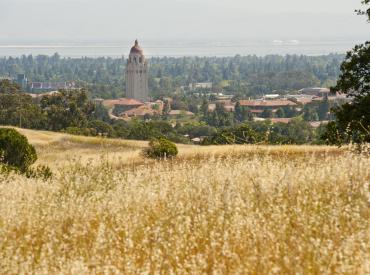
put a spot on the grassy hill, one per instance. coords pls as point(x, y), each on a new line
point(58, 149)
point(217, 209)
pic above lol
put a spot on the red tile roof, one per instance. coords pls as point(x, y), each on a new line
point(280, 120)
point(211, 107)
point(256, 111)
point(267, 103)
point(304, 101)
point(225, 101)
point(180, 112)
point(229, 107)
point(122, 102)
point(140, 111)
point(314, 91)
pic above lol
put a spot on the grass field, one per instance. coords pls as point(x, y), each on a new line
point(226, 209)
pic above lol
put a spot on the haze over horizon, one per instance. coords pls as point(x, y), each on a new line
point(117, 20)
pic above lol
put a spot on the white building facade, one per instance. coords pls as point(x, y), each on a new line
point(137, 75)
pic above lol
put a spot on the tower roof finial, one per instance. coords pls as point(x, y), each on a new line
point(136, 49)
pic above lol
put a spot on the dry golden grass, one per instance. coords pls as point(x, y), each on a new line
point(228, 209)
point(57, 149)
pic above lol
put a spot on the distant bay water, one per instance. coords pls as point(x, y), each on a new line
point(154, 48)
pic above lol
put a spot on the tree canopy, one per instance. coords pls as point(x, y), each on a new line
point(353, 119)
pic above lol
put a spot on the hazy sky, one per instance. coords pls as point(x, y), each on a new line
point(184, 19)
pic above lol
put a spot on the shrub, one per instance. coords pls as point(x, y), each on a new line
point(160, 148)
point(40, 172)
point(15, 150)
point(7, 170)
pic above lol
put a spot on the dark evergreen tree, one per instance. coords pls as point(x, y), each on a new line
point(280, 113)
point(353, 119)
point(324, 109)
point(238, 114)
point(267, 113)
point(15, 151)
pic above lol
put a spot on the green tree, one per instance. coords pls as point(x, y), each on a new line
point(299, 132)
point(204, 107)
point(310, 114)
point(366, 11)
point(238, 114)
point(101, 128)
point(166, 107)
point(324, 109)
point(15, 150)
point(219, 117)
point(267, 113)
point(242, 134)
point(280, 112)
point(68, 108)
point(100, 113)
point(7, 87)
point(160, 148)
point(241, 113)
point(353, 119)
point(195, 129)
point(18, 108)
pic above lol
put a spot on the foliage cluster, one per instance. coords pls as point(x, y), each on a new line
point(353, 119)
point(352, 123)
point(17, 155)
point(72, 112)
point(318, 111)
point(57, 112)
point(296, 131)
point(18, 109)
point(247, 75)
point(15, 151)
point(161, 148)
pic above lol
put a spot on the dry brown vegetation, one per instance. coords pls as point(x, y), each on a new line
point(227, 209)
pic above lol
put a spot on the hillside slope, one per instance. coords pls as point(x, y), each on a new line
point(226, 209)
point(55, 149)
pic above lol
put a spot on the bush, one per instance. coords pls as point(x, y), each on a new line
point(160, 148)
point(40, 172)
point(15, 151)
point(7, 170)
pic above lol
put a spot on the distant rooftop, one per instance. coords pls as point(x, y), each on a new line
point(123, 102)
point(267, 103)
point(180, 112)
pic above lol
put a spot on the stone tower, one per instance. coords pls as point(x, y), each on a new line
point(137, 75)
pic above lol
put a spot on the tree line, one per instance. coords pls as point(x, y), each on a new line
point(240, 75)
point(74, 113)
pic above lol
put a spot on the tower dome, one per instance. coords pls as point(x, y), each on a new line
point(136, 49)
